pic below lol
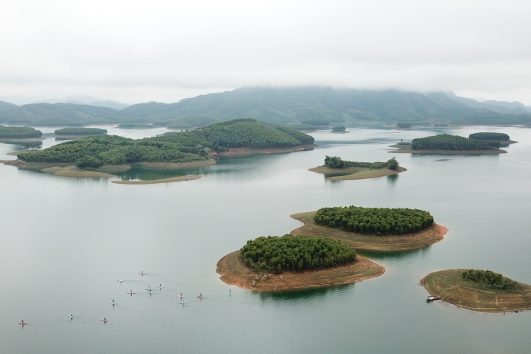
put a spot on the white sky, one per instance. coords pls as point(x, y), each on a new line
point(136, 51)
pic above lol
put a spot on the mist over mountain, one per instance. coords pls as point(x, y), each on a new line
point(296, 106)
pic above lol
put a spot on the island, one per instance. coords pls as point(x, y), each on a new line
point(107, 155)
point(373, 229)
point(131, 125)
point(290, 262)
point(501, 138)
point(19, 135)
point(335, 168)
point(478, 290)
point(446, 144)
point(76, 133)
point(339, 129)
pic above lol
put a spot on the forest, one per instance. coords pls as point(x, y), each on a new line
point(379, 221)
point(489, 136)
point(337, 162)
point(452, 142)
point(94, 151)
point(80, 131)
point(294, 253)
point(489, 279)
point(19, 132)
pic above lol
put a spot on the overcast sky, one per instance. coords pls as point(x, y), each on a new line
point(135, 51)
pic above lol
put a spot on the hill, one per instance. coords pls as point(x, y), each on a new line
point(302, 107)
point(93, 152)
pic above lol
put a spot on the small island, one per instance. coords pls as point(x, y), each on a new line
point(291, 263)
point(335, 168)
point(76, 133)
point(446, 144)
point(501, 138)
point(339, 129)
point(478, 290)
point(135, 126)
point(373, 229)
point(104, 155)
point(19, 135)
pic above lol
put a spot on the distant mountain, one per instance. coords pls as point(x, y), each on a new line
point(298, 106)
point(51, 114)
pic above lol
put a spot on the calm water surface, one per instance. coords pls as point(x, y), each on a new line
point(65, 242)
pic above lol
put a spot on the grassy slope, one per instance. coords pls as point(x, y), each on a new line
point(452, 288)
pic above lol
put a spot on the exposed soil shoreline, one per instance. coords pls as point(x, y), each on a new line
point(243, 152)
point(374, 243)
point(233, 272)
point(406, 148)
point(452, 288)
point(354, 173)
point(157, 181)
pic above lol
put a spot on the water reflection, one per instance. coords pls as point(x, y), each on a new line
point(304, 295)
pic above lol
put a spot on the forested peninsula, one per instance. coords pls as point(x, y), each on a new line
point(291, 262)
point(373, 229)
point(478, 290)
point(446, 144)
point(107, 154)
point(334, 168)
point(9, 134)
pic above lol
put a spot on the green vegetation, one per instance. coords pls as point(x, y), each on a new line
point(19, 132)
point(294, 253)
point(135, 125)
point(337, 162)
point(301, 107)
point(489, 279)
point(80, 131)
point(489, 136)
point(380, 221)
point(95, 151)
point(239, 133)
point(92, 152)
point(452, 142)
point(339, 129)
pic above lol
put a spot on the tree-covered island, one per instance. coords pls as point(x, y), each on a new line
point(335, 168)
point(446, 144)
point(291, 262)
point(108, 154)
point(9, 132)
point(373, 229)
point(478, 290)
point(77, 132)
point(501, 138)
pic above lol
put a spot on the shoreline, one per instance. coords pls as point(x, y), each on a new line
point(244, 152)
point(158, 181)
point(451, 288)
point(354, 173)
point(446, 152)
point(233, 272)
point(373, 243)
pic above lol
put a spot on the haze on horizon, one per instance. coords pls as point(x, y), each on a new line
point(137, 51)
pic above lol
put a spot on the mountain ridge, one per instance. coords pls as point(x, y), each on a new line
point(294, 106)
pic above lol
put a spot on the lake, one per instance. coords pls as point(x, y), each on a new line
point(65, 242)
